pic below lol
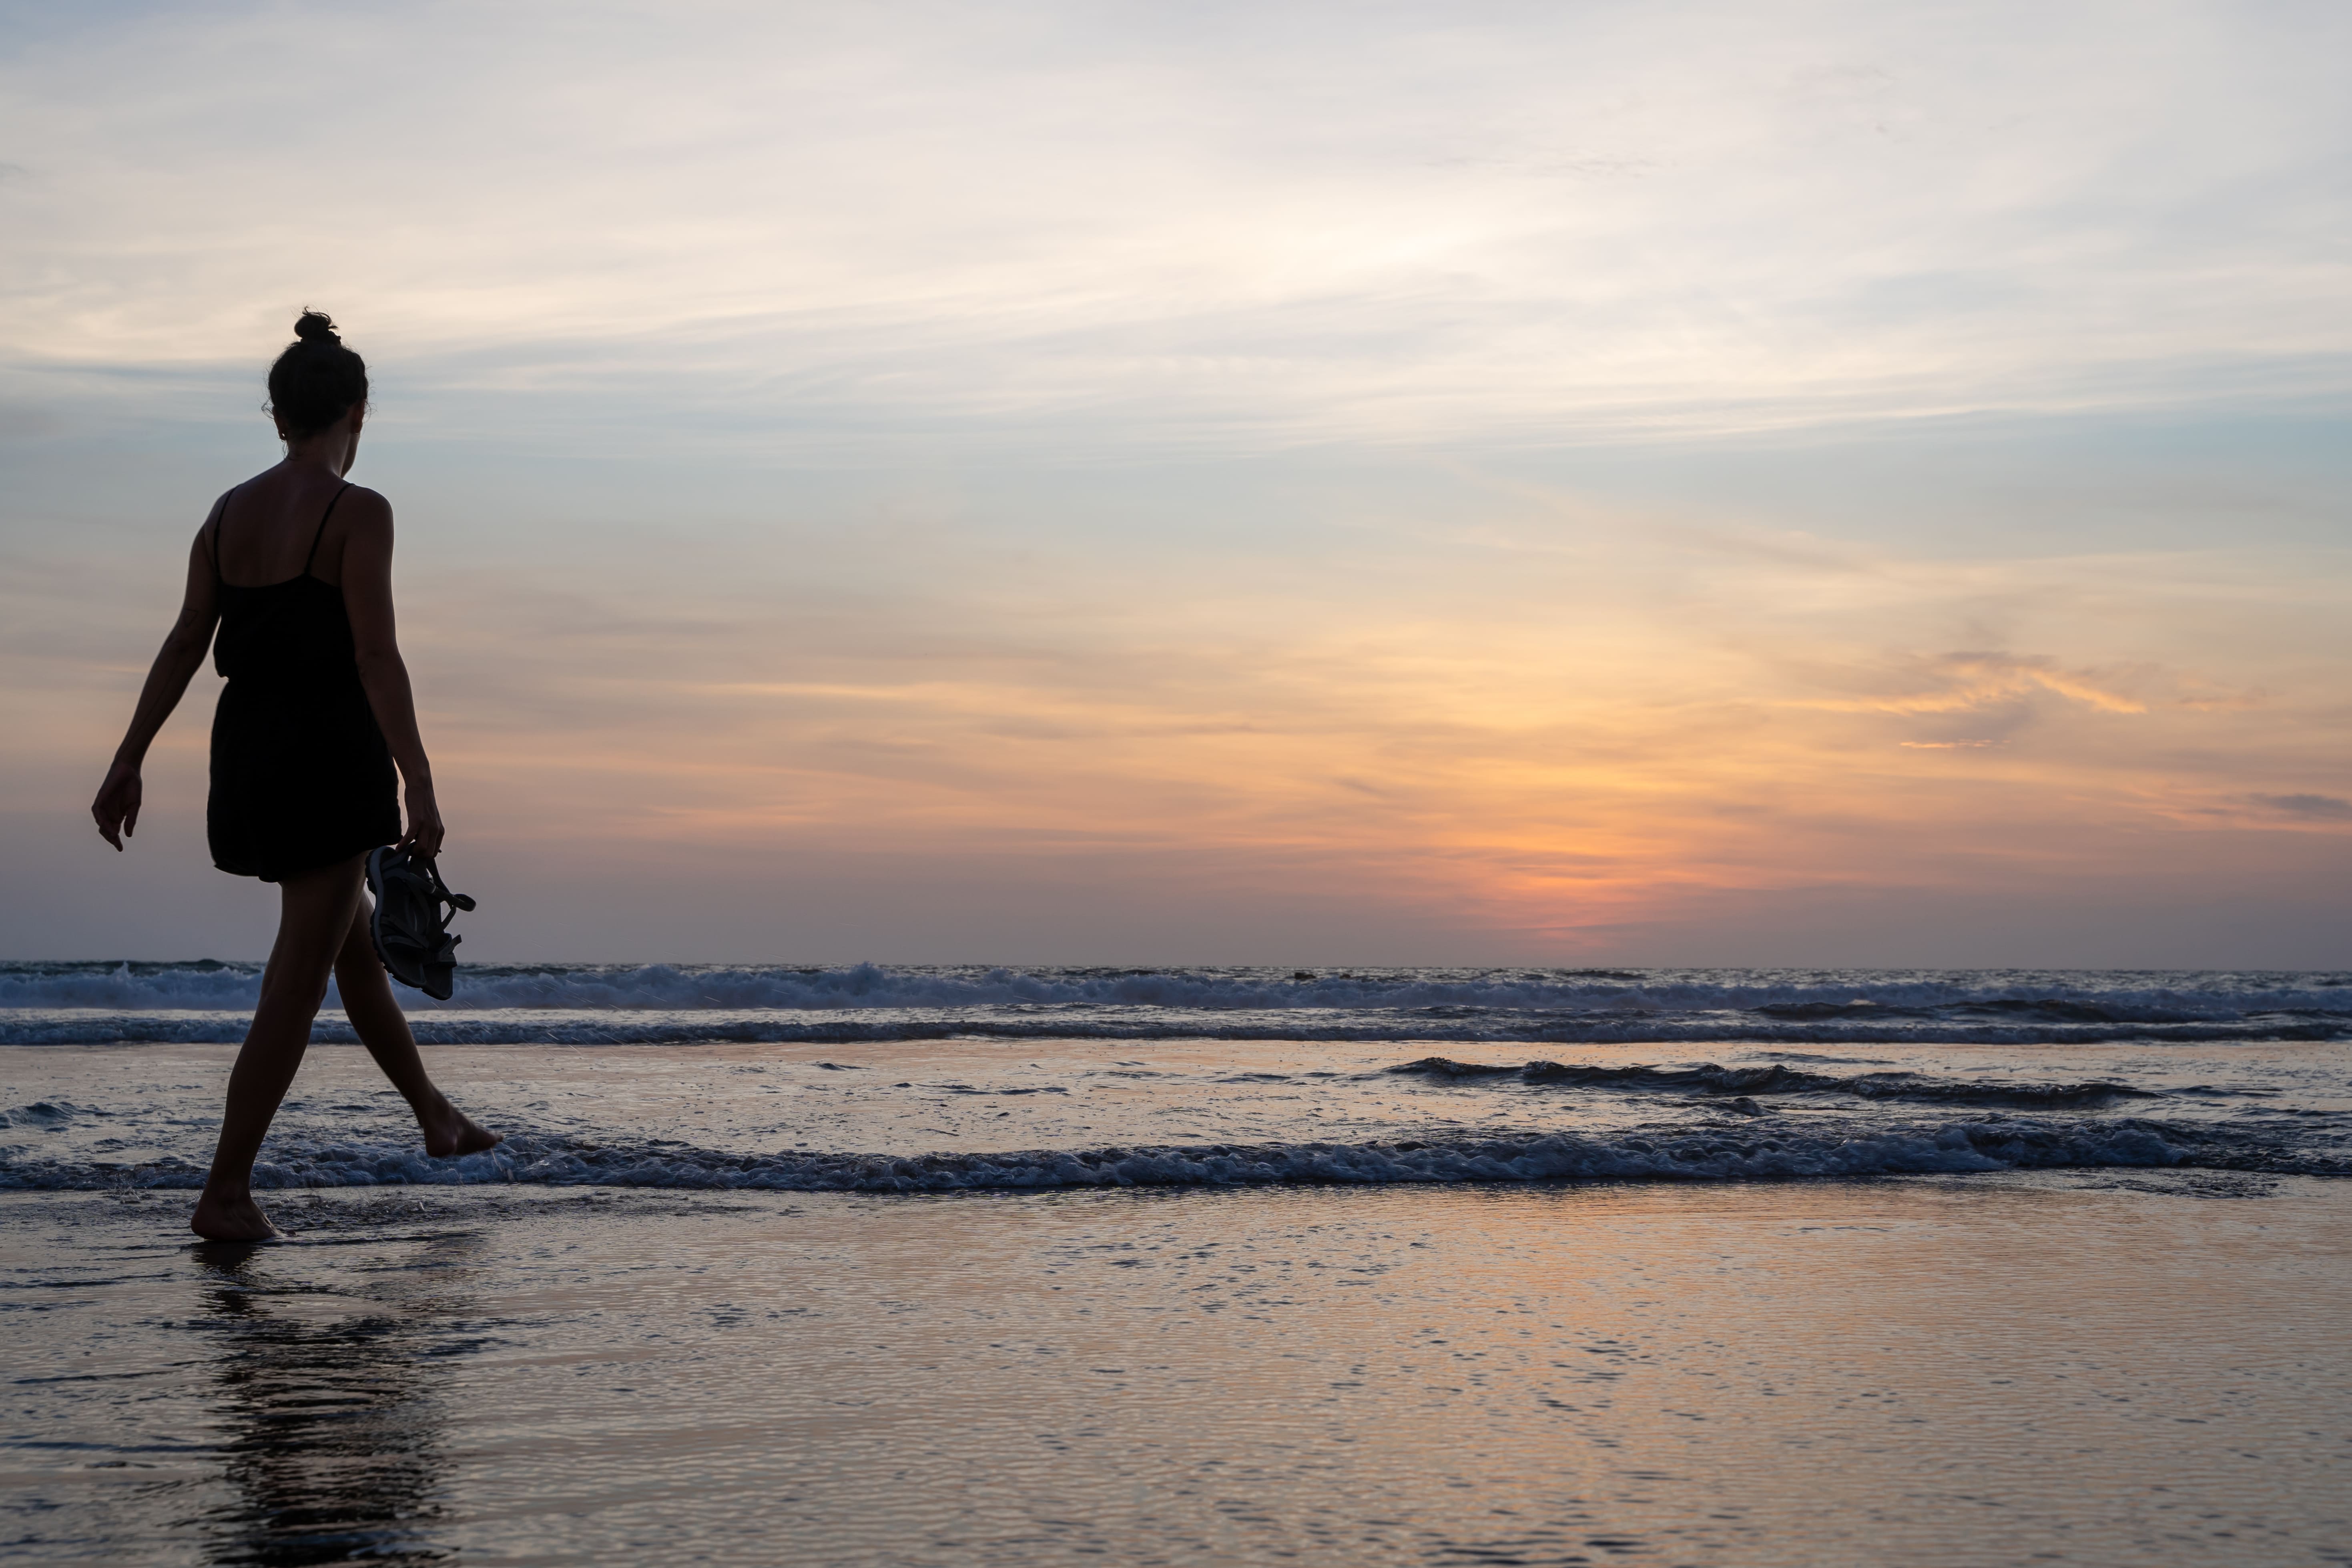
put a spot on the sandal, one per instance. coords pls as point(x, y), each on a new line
point(411, 932)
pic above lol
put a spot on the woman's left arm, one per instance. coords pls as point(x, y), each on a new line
point(367, 597)
point(117, 805)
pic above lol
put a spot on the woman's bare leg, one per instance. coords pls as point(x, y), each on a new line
point(314, 912)
point(369, 1003)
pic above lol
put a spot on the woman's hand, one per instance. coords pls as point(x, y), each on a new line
point(423, 839)
point(117, 805)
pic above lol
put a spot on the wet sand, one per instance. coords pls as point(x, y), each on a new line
point(2097, 1368)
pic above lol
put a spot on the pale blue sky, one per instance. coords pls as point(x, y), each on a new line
point(1332, 483)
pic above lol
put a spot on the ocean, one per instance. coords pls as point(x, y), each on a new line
point(937, 1077)
point(934, 1265)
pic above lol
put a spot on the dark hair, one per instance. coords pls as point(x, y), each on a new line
point(317, 379)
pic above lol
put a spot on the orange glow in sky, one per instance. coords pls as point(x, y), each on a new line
point(1652, 484)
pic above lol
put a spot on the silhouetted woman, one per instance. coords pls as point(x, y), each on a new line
point(294, 567)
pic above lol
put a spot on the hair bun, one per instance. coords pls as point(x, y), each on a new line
point(315, 381)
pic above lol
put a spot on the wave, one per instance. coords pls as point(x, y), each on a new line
point(1991, 1143)
point(781, 1027)
point(1787, 997)
point(1779, 1079)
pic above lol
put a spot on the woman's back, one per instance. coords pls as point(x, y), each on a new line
point(268, 527)
point(292, 628)
point(301, 774)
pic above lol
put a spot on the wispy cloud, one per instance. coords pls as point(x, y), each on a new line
point(1972, 682)
point(1317, 223)
point(2313, 807)
point(1538, 473)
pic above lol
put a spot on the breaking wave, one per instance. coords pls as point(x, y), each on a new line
point(1990, 1144)
point(781, 1028)
point(1779, 1079)
point(1785, 996)
point(680, 1003)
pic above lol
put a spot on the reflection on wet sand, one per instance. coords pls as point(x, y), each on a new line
point(330, 1401)
point(1939, 1374)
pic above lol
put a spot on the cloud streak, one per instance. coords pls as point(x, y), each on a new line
point(1633, 483)
point(1488, 224)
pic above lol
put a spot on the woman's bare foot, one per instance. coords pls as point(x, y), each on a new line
point(452, 1132)
point(231, 1220)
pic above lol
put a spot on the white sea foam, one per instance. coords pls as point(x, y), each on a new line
point(910, 1107)
point(659, 1003)
point(786, 1026)
point(1708, 1155)
point(2093, 996)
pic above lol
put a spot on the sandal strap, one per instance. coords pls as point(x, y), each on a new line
point(441, 889)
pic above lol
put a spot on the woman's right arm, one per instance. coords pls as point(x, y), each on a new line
point(117, 805)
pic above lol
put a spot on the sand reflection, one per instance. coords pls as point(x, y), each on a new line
point(331, 1400)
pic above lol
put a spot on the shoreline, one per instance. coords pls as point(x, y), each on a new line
point(1938, 1371)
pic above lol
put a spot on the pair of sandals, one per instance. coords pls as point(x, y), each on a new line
point(410, 926)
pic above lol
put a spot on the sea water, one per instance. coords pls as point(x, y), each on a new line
point(932, 1079)
point(868, 1266)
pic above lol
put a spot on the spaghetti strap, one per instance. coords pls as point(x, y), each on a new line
point(300, 773)
point(220, 521)
point(322, 530)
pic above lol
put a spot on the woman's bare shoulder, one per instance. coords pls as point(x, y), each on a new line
point(362, 507)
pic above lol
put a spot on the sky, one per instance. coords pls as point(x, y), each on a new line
point(1792, 482)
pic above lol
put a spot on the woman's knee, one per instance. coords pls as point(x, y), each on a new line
point(358, 975)
point(296, 984)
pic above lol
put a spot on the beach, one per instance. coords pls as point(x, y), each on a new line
point(1242, 786)
point(1318, 786)
point(946, 1267)
point(1917, 1370)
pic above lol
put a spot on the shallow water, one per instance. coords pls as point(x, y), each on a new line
point(944, 1077)
point(947, 1114)
point(870, 1267)
point(2122, 1368)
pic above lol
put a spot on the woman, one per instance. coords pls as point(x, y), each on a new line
point(294, 566)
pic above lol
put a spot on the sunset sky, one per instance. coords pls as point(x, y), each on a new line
point(1382, 483)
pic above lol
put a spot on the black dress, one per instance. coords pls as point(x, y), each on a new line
point(301, 775)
